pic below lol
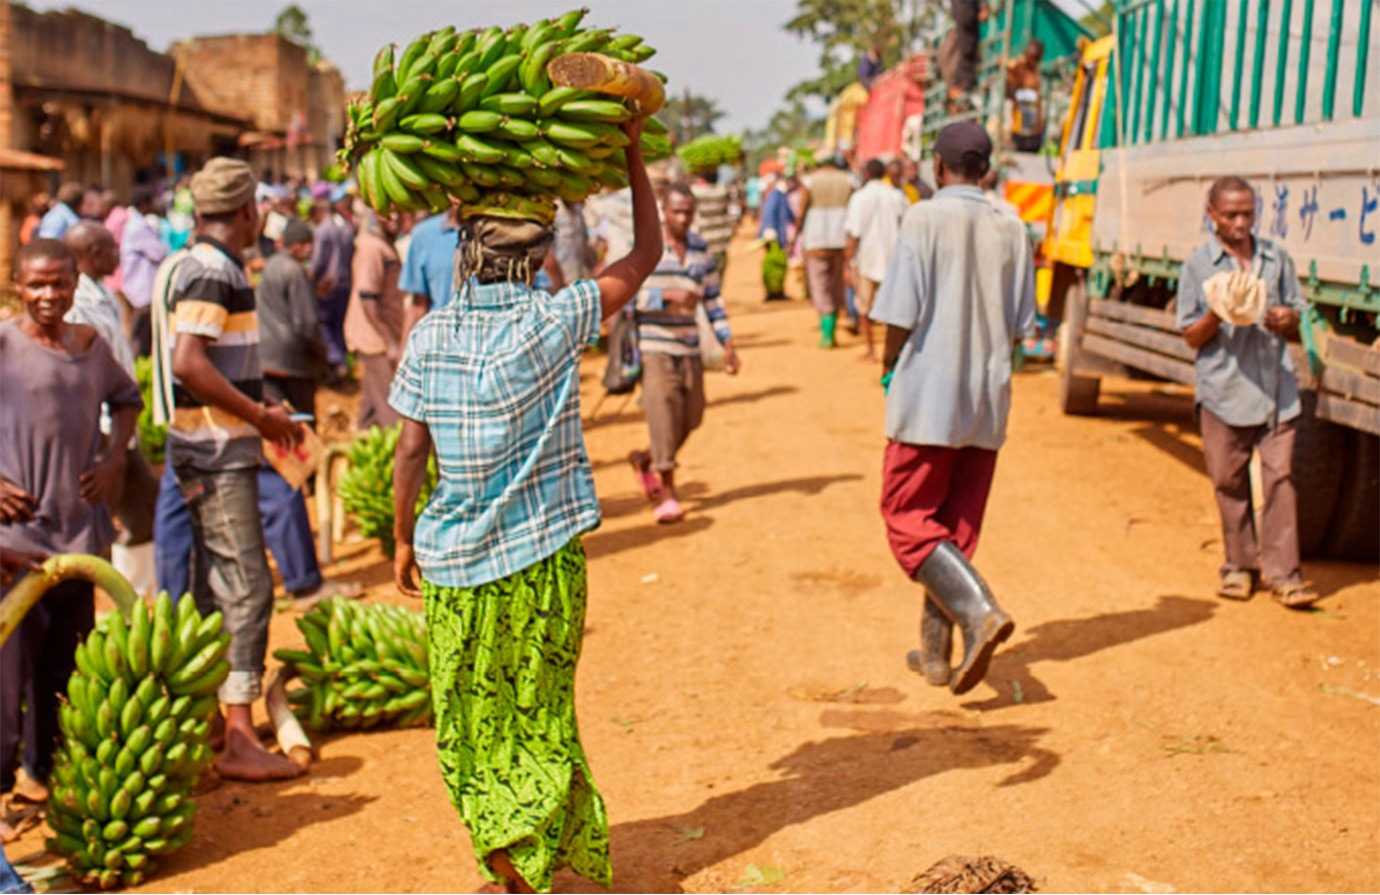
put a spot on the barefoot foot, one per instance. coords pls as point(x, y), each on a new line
point(245, 758)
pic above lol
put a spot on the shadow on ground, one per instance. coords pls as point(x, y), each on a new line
point(263, 823)
point(1066, 639)
point(818, 778)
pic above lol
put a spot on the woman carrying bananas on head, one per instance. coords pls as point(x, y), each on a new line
point(492, 381)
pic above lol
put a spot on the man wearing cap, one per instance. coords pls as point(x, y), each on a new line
point(822, 237)
point(958, 296)
point(215, 444)
point(1238, 305)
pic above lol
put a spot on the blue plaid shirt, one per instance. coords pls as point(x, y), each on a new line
point(495, 376)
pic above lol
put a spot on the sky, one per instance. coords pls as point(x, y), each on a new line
point(732, 50)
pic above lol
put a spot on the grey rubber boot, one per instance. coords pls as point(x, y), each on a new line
point(964, 597)
point(936, 646)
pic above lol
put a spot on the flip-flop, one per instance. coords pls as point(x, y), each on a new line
point(668, 511)
point(1235, 585)
point(1295, 595)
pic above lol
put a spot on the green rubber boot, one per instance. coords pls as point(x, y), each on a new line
point(827, 324)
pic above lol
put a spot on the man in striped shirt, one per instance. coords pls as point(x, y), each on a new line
point(215, 445)
point(669, 341)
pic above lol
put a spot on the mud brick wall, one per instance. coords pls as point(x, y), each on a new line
point(259, 77)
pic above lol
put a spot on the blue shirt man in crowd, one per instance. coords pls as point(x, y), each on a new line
point(428, 274)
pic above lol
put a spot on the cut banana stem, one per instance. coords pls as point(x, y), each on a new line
point(597, 72)
point(292, 739)
point(55, 570)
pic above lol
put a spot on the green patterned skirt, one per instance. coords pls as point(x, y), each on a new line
point(503, 660)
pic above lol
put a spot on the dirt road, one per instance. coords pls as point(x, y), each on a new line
point(751, 722)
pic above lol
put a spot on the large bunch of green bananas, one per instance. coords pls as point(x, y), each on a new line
point(366, 487)
point(708, 152)
point(473, 116)
point(136, 728)
point(365, 666)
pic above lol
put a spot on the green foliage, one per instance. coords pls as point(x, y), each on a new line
point(774, 265)
point(792, 126)
point(292, 25)
point(153, 439)
point(366, 488)
point(846, 29)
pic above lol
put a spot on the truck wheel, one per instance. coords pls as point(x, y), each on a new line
point(1355, 530)
point(1077, 394)
point(1321, 454)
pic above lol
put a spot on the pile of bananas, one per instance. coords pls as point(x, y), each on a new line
point(366, 488)
point(708, 152)
point(365, 666)
point(136, 729)
point(472, 115)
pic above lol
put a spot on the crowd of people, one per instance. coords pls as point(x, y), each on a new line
point(468, 331)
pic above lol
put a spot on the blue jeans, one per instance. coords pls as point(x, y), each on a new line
point(331, 313)
point(287, 532)
point(10, 882)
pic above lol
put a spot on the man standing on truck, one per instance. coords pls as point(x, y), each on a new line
point(958, 296)
point(1247, 394)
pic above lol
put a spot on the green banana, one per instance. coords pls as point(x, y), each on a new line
point(438, 98)
point(140, 630)
point(519, 104)
point(424, 124)
point(500, 73)
point(472, 149)
point(594, 110)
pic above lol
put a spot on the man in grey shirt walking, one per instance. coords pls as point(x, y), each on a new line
point(958, 296)
point(1247, 394)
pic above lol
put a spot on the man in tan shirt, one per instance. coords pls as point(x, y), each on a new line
point(374, 319)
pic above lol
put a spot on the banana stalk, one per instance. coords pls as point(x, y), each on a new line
point(55, 570)
point(597, 72)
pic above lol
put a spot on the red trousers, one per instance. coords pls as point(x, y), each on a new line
point(932, 494)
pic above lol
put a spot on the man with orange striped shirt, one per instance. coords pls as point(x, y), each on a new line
point(215, 445)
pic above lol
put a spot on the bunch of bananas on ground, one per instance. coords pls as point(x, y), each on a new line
point(473, 116)
point(136, 728)
point(365, 666)
point(706, 153)
point(366, 487)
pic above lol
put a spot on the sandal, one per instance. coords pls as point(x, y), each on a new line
point(647, 482)
point(668, 511)
point(1295, 595)
point(1235, 585)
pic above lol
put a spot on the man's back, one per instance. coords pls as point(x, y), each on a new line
point(823, 228)
point(289, 329)
point(961, 280)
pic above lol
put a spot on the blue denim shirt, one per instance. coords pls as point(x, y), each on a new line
point(1244, 374)
point(495, 376)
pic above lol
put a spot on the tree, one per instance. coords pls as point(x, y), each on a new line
point(689, 115)
point(792, 125)
point(292, 25)
point(846, 29)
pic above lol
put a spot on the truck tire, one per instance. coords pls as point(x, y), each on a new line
point(1322, 452)
point(1355, 530)
point(1077, 394)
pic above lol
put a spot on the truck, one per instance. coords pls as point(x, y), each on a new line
point(1273, 91)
